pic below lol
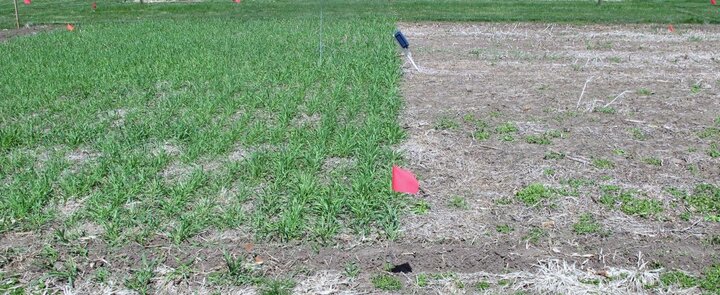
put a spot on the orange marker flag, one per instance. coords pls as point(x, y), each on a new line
point(27, 2)
point(404, 181)
point(671, 29)
point(70, 27)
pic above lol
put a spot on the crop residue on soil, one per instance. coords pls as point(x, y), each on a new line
point(498, 107)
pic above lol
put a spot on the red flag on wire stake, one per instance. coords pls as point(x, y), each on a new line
point(70, 27)
point(237, 1)
point(94, 6)
point(27, 2)
point(671, 29)
point(713, 2)
point(404, 181)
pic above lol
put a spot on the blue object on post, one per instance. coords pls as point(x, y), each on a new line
point(401, 39)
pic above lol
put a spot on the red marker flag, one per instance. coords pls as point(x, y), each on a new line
point(94, 6)
point(404, 181)
point(70, 27)
point(237, 1)
point(713, 2)
point(671, 29)
point(27, 2)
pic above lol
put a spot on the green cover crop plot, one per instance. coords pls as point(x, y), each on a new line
point(168, 129)
point(172, 133)
point(564, 11)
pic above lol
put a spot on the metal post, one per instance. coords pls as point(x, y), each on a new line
point(17, 16)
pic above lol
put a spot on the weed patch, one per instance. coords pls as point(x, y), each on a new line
point(534, 235)
point(554, 156)
point(504, 229)
point(709, 282)
point(638, 134)
point(446, 123)
point(705, 200)
point(643, 92)
point(628, 203)
point(678, 278)
point(482, 286)
point(586, 225)
point(652, 161)
point(537, 139)
point(507, 127)
point(603, 163)
point(534, 194)
point(386, 282)
point(714, 151)
point(458, 202)
point(421, 207)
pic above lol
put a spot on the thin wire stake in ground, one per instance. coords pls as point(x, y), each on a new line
point(583, 93)
point(320, 46)
point(17, 16)
point(619, 95)
point(409, 56)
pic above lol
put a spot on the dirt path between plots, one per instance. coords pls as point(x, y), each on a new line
point(7, 34)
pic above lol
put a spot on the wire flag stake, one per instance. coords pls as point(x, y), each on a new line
point(408, 54)
point(17, 15)
point(403, 42)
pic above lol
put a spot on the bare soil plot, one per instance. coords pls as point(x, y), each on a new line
point(497, 108)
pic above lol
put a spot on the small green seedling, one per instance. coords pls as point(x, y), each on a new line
point(504, 229)
point(603, 163)
point(421, 207)
point(446, 123)
point(638, 134)
point(714, 151)
point(537, 139)
point(481, 135)
point(586, 225)
point(352, 270)
point(482, 286)
point(386, 282)
point(534, 235)
point(696, 88)
point(644, 92)
point(458, 202)
point(652, 161)
point(421, 280)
